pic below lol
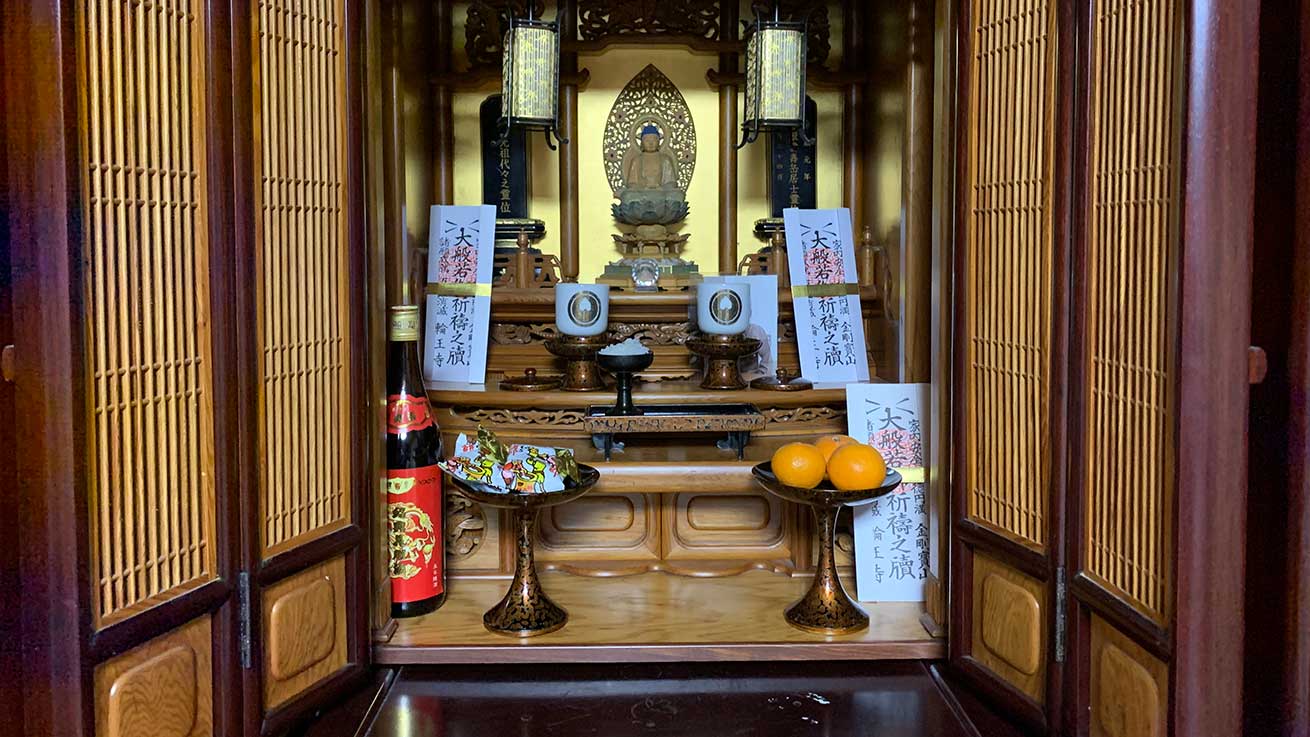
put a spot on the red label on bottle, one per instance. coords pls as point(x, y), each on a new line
point(407, 413)
point(414, 522)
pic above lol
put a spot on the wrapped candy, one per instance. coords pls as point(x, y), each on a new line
point(527, 469)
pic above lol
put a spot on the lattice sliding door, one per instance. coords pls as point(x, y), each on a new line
point(1009, 294)
point(150, 435)
point(1009, 266)
point(1131, 241)
point(304, 318)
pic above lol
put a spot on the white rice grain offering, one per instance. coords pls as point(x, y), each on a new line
point(629, 347)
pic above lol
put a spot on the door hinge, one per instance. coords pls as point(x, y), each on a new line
point(1061, 618)
point(243, 611)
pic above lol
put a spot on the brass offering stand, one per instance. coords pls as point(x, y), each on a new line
point(623, 367)
point(581, 374)
point(826, 608)
point(526, 611)
point(721, 353)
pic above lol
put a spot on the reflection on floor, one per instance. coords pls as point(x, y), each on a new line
point(887, 699)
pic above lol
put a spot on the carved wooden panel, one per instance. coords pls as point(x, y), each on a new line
point(1011, 624)
point(1009, 627)
point(1129, 687)
point(142, 114)
point(304, 630)
point(1130, 364)
point(1008, 252)
point(485, 25)
point(482, 557)
point(302, 261)
point(598, 19)
point(163, 688)
point(726, 526)
point(601, 527)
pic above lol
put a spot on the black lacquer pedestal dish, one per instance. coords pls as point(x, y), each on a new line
point(526, 611)
point(623, 366)
point(826, 608)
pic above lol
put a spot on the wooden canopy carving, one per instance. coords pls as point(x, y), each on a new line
point(484, 28)
point(598, 19)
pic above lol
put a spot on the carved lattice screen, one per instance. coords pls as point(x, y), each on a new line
point(141, 74)
point(302, 264)
point(1008, 251)
point(1131, 240)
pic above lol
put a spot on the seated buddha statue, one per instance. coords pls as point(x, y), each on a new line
point(650, 195)
point(649, 167)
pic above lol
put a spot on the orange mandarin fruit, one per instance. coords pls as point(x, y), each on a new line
point(856, 466)
point(798, 464)
point(828, 444)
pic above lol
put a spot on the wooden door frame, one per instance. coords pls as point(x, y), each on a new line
point(1215, 263)
point(351, 540)
point(1203, 642)
point(55, 621)
point(11, 658)
point(967, 535)
point(42, 125)
point(1277, 699)
point(1294, 702)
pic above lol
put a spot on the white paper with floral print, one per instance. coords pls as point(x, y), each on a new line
point(461, 242)
point(891, 533)
point(826, 295)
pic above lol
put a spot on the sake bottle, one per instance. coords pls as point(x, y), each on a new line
point(415, 508)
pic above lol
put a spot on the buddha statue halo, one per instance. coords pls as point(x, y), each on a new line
point(649, 156)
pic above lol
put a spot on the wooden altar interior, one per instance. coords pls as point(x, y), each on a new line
point(1078, 223)
point(677, 550)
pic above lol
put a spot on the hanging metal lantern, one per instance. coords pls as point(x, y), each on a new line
point(530, 81)
point(775, 78)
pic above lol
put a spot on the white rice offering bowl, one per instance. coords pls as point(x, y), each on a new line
point(629, 347)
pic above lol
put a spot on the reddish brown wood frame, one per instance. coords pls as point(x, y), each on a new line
point(349, 540)
point(1210, 301)
point(969, 536)
point(45, 220)
point(44, 192)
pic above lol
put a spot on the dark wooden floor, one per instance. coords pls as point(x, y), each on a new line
point(886, 699)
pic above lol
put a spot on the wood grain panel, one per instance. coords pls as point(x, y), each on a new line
point(301, 262)
point(595, 514)
point(1008, 255)
point(301, 625)
point(601, 528)
point(163, 688)
point(1129, 687)
point(732, 513)
point(1009, 625)
point(1131, 237)
point(752, 527)
point(628, 618)
point(141, 88)
point(305, 630)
